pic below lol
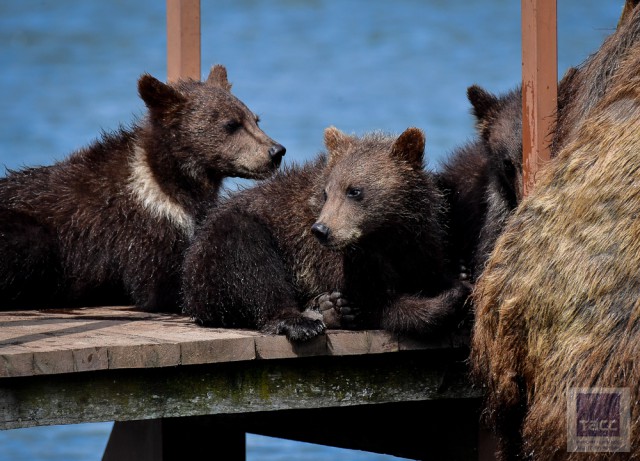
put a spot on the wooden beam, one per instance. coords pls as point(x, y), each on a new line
point(235, 388)
point(539, 85)
point(183, 39)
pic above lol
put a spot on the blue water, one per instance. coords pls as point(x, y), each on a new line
point(68, 69)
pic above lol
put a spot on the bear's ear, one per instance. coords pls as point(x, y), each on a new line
point(157, 95)
point(336, 143)
point(481, 100)
point(410, 147)
point(627, 11)
point(218, 77)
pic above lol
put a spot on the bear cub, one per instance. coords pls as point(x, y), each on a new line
point(482, 180)
point(362, 223)
point(110, 223)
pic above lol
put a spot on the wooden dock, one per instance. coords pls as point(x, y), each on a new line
point(180, 391)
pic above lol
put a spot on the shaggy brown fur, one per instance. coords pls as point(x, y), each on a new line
point(584, 86)
point(111, 222)
point(257, 264)
point(558, 304)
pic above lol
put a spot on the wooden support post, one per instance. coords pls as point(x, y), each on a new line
point(183, 39)
point(175, 439)
point(539, 85)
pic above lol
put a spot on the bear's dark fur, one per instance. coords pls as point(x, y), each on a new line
point(464, 179)
point(256, 263)
point(482, 180)
point(557, 306)
point(110, 223)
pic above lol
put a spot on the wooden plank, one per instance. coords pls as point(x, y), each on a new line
point(539, 85)
point(273, 347)
point(144, 356)
point(183, 39)
point(91, 359)
point(92, 339)
point(224, 349)
point(16, 361)
point(361, 342)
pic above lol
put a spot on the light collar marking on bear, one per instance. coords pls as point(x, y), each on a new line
point(147, 191)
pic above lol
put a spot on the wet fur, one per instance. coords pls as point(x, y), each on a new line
point(110, 223)
point(256, 264)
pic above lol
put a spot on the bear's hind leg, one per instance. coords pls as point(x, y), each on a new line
point(29, 262)
point(426, 316)
point(235, 277)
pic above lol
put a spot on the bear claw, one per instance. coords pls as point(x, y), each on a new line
point(300, 328)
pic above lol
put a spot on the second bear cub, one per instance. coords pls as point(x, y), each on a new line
point(364, 221)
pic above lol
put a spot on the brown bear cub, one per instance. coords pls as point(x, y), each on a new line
point(362, 224)
point(110, 223)
point(482, 180)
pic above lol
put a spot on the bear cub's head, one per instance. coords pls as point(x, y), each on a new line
point(367, 184)
point(499, 125)
point(210, 132)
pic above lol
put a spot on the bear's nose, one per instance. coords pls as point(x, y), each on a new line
point(276, 152)
point(320, 231)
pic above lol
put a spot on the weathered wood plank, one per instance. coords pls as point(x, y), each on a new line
point(227, 348)
point(16, 360)
point(80, 340)
point(91, 358)
point(362, 342)
point(116, 363)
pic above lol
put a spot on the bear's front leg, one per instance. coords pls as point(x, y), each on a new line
point(337, 313)
point(296, 325)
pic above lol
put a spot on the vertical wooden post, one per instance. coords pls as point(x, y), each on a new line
point(183, 39)
point(539, 85)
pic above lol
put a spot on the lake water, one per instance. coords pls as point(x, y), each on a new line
point(68, 69)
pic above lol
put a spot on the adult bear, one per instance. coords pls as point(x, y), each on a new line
point(557, 306)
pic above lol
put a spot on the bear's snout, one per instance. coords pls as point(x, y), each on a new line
point(276, 152)
point(321, 232)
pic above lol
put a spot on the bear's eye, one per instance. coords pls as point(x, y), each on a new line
point(324, 195)
point(354, 193)
point(232, 126)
